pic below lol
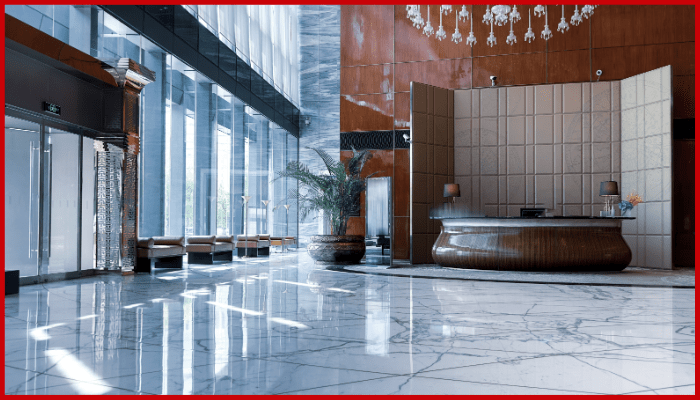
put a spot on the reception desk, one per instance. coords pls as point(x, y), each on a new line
point(532, 244)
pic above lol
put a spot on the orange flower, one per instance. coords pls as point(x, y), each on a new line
point(634, 198)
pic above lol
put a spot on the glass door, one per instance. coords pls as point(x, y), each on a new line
point(61, 199)
point(22, 187)
point(42, 196)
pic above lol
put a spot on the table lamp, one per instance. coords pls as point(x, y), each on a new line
point(451, 190)
point(608, 189)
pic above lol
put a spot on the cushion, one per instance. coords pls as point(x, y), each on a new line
point(209, 248)
point(276, 242)
point(264, 236)
point(249, 237)
point(171, 240)
point(146, 243)
point(227, 239)
point(252, 243)
point(160, 251)
point(201, 239)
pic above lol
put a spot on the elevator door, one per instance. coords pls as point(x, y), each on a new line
point(22, 174)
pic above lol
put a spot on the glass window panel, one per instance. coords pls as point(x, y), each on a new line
point(241, 30)
point(208, 17)
point(62, 158)
point(153, 120)
point(22, 163)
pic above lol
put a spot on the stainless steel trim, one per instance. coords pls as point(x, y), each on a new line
point(80, 201)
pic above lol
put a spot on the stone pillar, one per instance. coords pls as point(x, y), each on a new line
point(122, 110)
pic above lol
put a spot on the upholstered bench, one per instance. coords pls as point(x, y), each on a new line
point(276, 241)
point(159, 252)
point(258, 245)
point(207, 249)
point(282, 242)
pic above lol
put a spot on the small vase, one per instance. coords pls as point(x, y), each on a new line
point(626, 213)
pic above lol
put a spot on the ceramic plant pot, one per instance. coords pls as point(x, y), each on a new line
point(337, 249)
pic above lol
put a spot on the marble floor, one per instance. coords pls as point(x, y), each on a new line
point(280, 325)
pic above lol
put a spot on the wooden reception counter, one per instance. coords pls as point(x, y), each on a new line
point(532, 244)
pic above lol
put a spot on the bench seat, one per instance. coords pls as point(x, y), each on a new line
point(159, 252)
point(253, 246)
point(207, 249)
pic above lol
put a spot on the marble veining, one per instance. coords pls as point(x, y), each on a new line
point(281, 325)
point(319, 27)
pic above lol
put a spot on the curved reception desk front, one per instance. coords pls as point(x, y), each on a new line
point(533, 244)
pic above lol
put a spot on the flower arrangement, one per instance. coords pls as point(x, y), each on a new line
point(632, 200)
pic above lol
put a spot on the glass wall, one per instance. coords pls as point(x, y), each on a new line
point(202, 148)
point(262, 35)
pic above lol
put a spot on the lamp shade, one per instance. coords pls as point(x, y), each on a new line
point(608, 188)
point(451, 190)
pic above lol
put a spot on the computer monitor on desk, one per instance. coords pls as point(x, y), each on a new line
point(532, 212)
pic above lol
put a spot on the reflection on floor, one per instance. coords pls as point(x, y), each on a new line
point(281, 325)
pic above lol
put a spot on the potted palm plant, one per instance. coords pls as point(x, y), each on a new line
point(336, 192)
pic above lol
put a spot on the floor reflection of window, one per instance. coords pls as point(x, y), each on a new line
point(166, 323)
point(377, 328)
point(187, 346)
point(221, 336)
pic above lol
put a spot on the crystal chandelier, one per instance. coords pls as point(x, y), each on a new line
point(498, 15)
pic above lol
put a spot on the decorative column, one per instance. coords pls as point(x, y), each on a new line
point(108, 211)
point(122, 109)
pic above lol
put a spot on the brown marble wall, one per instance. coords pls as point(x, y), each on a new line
point(381, 52)
point(393, 163)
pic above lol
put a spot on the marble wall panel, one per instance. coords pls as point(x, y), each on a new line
point(431, 164)
point(643, 151)
point(369, 112)
point(320, 96)
point(547, 157)
point(366, 32)
point(367, 79)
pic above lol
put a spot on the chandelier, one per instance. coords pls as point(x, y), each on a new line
point(499, 15)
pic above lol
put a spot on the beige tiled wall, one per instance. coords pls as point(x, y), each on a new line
point(537, 146)
point(431, 163)
point(646, 165)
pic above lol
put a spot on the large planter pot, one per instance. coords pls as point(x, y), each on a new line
point(335, 249)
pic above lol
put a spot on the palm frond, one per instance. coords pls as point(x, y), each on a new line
point(336, 193)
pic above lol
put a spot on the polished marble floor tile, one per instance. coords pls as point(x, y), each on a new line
point(281, 325)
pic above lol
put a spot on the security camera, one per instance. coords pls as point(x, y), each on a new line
point(493, 80)
point(599, 72)
point(407, 137)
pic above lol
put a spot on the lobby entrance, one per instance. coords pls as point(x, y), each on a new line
point(49, 170)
